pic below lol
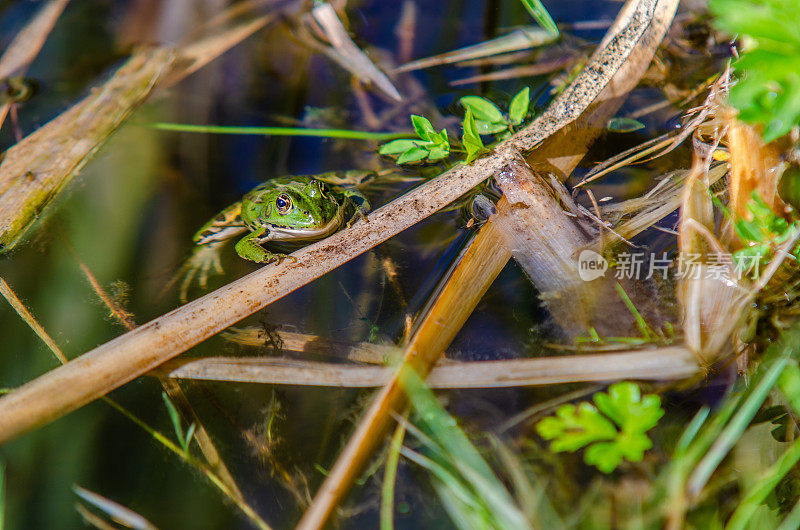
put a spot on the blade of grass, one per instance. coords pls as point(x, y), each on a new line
point(389, 478)
point(281, 131)
point(540, 15)
point(733, 431)
point(757, 494)
point(348, 54)
point(641, 324)
point(26, 316)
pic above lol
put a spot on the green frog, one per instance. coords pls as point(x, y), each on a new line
point(284, 213)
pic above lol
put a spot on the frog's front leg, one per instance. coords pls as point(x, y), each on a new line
point(249, 247)
point(360, 204)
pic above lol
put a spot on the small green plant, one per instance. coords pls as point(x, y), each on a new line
point(612, 429)
point(471, 138)
point(489, 119)
point(768, 70)
point(429, 145)
point(762, 234)
point(183, 439)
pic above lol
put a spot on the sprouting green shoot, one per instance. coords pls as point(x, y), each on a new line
point(489, 119)
point(612, 429)
point(183, 439)
point(278, 131)
point(767, 90)
point(641, 324)
point(540, 14)
point(429, 144)
point(471, 139)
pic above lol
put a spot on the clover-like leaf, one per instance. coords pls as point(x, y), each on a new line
point(482, 109)
point(518, 108)
point(607, 442)
point(423, 127)
point(574, 427)
point(397, 147)
point(625, 405)
point(471, 138)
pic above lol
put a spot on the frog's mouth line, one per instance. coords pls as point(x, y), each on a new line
point(283, 233)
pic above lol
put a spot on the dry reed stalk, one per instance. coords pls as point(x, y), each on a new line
point(655, 364)
point(756, 167)
point(26, 45)
point(35, 170)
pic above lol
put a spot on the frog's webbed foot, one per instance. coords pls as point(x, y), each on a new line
point(205, 261)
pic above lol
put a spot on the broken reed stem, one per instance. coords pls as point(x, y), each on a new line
point(655, 364)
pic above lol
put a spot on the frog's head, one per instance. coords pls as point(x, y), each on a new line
point(299, 209)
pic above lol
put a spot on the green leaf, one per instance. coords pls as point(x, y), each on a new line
point(607, 445)
point(482, 109)
point(186, 440)
point(625, 405)
point(397, 147)
point(174, 417)
point(415, 154)
point(624, 125)
point(439, 152)
point(518, 108)
point(423, 127)
point(484, 127)
point(575, 427)
point(767, 90)
point(471, 138)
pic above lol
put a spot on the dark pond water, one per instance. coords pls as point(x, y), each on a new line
point(130, 217)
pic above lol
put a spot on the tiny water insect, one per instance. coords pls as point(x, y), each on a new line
point(284, 213)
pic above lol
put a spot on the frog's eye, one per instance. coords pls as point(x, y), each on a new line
point(323, 190)
point(283, 203)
